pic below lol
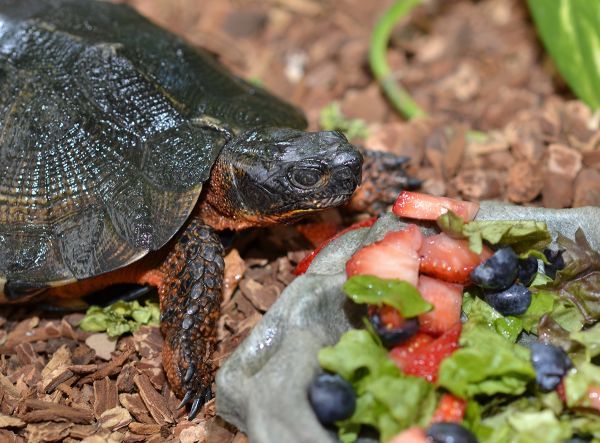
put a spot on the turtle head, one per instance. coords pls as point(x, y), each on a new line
point(274, 175)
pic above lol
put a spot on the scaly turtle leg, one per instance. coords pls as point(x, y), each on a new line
point(383, 177)
point(190, 298)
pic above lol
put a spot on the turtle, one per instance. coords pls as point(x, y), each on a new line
point(124, 150)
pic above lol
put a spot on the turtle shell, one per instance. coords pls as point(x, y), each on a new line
point(104, 141)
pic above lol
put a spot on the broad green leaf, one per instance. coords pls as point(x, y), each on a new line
point(378, 291)
point(570, 30)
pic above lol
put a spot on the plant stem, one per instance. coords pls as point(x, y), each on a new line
point(398, 96)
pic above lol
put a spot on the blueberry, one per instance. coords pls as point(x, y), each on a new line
point(447, 432)
point(512, 301)
point(551, 363)
point(528, 267)
point(557, 262)
point(391, 337)
point(332, 398)
point(497, 272)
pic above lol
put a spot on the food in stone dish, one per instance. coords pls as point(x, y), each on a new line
point(124, 148)
point(463, 341)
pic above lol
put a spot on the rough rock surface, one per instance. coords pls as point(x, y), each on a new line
point(262, 386)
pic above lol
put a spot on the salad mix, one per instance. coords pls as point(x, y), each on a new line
point(486, 331)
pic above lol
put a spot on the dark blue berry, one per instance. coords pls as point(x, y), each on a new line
point(447, 432)
point(497, 272)
point(528, 267)
point(551, 363)
point(557, 262)
point(512, 301)
point(391, 337)
point(332, 398)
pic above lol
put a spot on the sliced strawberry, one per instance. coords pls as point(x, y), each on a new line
point(446, 299)
point(318, 232)
point(450, 259)
point(411, 435)
point(403, 353)
point(449, 409)
point(428, 207)
point(561, 391)
point(425, 361)
point(306, 261)
point(390, 317)
point(395, 256)
point(594, 397)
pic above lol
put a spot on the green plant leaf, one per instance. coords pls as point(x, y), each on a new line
point(570, 31)
point(396, 293)
point(121, 317)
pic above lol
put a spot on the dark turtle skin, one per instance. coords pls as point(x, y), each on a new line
point(123, 148)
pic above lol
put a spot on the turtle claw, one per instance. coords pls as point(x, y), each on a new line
point(199, 399)
point(186, 399)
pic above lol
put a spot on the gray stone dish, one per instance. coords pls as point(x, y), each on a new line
point(262, 387)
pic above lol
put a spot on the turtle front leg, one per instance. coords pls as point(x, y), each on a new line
point(190, 299)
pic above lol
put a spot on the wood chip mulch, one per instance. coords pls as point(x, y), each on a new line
point(502, 125)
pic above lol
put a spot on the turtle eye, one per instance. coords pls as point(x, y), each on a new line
point(305, 178)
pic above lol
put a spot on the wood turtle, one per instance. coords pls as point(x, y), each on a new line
point(123, 148)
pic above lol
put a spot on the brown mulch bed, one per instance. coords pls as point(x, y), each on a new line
point(474, 66)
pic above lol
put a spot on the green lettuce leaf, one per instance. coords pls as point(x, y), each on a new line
point(396, 293)
point(590, 339)
point(542, 302)
point(480, 312)
point(486, 364)
point(356, 352)
point(578, 381)
point(386, 399)
point(527, 237)
point(522, 235)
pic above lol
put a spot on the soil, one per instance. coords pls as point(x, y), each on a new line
point(501, 125)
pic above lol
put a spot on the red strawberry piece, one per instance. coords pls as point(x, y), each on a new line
point(560, 390)
point(449, 409)
point(450, 259)
point(425, 361)
point(411, 435)
point(594, 397)
point(390, 317)
point(395, 256)
point(446, 299)
point(306, 261)
point(428, 207)
point(318, 232)
point(403, 353)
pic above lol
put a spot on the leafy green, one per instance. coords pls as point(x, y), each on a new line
point(579, 281)
point(525, 236)
point(577, 382)
point(590, 339)
point(332, 119)
point(570, 30)
point(486, 364)
point(392, 292)
point(542, 302)
point(522, 235)
point(120, 317)
point(386, 399)
point(479, 311)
